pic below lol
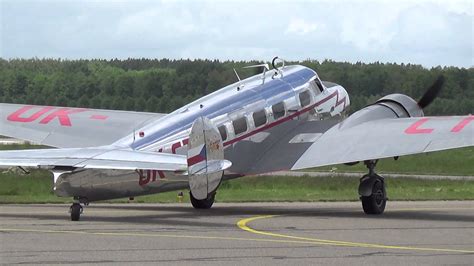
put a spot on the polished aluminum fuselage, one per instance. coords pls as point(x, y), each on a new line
point(273, 145)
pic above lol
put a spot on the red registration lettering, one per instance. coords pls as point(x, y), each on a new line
point(63, 116)
point(152, 174)
point(161, 174)
point(17, 116)
point(148, 178)
point(460, 126)
point(415, 127)
point(143, 179)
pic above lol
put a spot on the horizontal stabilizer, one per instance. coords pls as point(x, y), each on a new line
point(213, 166)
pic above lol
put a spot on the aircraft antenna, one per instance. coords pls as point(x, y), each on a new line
point(265, 69)
point(235, 71)
point(278, 69)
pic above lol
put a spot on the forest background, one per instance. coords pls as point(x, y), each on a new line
point(163, 85)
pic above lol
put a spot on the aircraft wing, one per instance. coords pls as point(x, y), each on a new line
point(94, 158)
point(385, 138)
point(65, 127)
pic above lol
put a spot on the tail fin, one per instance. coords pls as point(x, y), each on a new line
point(206, 163)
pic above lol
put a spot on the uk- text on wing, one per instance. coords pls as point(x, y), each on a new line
point(66, 127)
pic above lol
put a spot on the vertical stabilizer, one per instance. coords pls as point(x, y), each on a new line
point(206, 162)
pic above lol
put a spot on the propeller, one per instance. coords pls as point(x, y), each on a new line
point(431, 93)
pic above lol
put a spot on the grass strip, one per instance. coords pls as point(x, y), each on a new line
point(450, 162)
point(36, 188)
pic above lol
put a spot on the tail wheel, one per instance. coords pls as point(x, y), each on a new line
point(76, 210)
point(203, 204)
point(375, 203)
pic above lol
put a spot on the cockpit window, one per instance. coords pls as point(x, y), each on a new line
point(318, 83)
point(314, 87)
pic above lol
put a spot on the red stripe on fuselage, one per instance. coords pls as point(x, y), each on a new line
point(277, 122)
point(196, 159)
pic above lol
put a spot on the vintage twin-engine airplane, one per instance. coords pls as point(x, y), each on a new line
point(285, 118)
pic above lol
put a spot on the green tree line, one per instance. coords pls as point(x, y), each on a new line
point(162, 85)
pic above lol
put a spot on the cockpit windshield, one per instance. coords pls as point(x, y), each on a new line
point(318, 83)
point(316, 86)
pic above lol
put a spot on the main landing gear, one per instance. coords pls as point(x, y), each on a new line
point(372, 190)
point(203, 204)
point(76, 208)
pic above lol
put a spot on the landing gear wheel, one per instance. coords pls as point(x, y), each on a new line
point(75, 210)
point(375, 203)
point(203, 204)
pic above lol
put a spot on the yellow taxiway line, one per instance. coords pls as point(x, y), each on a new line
point(243, 224)
point(158, 235)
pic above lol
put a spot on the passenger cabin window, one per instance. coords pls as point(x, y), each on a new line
point(259, 118)
point(305, 98)
point(223, 132)
point(278, 110)
point(240, 125)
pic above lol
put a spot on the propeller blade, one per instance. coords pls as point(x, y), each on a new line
point(431, 93)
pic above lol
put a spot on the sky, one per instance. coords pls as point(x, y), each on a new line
point(429, 33)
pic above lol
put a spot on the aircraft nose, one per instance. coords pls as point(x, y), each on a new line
point(343, 94)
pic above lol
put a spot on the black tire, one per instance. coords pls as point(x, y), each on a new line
point(203, 204)
point(375, 204)
point(76, 210)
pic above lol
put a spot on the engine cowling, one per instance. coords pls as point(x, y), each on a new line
point(390, 106)
point(394, 106)
point(409, 105)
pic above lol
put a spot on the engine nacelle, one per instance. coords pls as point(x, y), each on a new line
point(390, 106)
point(394, 101)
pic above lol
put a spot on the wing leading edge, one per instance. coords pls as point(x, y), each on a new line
point(94, 158)
point(388, 138)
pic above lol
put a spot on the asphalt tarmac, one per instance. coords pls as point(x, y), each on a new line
point(428, 233)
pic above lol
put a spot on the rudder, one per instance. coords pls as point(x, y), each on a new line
point(206, 163)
